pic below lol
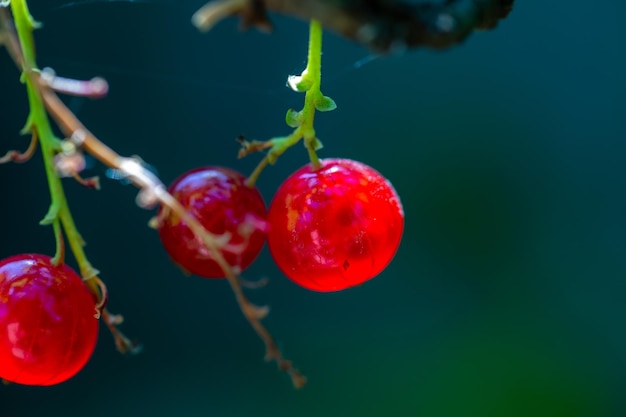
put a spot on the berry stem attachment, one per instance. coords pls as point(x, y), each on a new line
point(309, 82)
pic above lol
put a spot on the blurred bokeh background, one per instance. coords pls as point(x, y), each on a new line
point(506, 297)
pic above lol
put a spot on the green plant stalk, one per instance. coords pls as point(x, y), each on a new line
point(39, 123)
point(313, 94)
point(312, 79)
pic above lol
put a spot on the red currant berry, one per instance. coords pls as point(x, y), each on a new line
point(222, 203)
point(334, 227)
point(48, 330)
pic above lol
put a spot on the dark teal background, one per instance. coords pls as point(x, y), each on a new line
point(506, 298)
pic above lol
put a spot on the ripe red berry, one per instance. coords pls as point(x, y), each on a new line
point(48, 330)
point(335, 227)
point(222, 203)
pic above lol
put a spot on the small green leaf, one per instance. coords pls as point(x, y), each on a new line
point(293, 118)
point(51, 215)
point(325, 104)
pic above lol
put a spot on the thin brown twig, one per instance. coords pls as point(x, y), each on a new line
point(252, 13)
point(122, 343)
point(7, 35)
point(97, 87)
point(20, 157)
point(152, 191)
point(92, 183)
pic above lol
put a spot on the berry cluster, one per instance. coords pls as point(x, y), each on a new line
point(332, 225)
point(328, 229)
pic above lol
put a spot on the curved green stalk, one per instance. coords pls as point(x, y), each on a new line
point(39, 123)
point(308, 82)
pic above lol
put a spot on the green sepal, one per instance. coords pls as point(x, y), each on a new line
point(51, 215)
point(325, 103)
point(28, 126)
point(317, 144)
point(293, 118)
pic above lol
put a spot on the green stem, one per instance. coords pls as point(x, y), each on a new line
point(39, 122)
point(25, 24)
point(311, 79)
point(59, 256)
point(314, 77)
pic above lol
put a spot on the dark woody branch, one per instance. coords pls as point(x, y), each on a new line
point(382, 25)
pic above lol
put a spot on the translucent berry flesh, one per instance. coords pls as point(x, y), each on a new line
point(223, 204)
point(335, 227)
point(48, 328)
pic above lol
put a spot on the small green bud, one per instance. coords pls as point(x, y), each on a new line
point(51, 215)
point(299, 83)
point(293, 118)
point(325, 103)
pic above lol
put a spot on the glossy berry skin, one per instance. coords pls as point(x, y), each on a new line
point(335, 227)
point(220, 200)
point(48, 328)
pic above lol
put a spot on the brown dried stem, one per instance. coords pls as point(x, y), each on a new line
point(16, 156)
point(152, 191)
point(122, 343)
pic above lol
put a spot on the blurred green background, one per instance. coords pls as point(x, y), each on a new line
point(506, 296)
